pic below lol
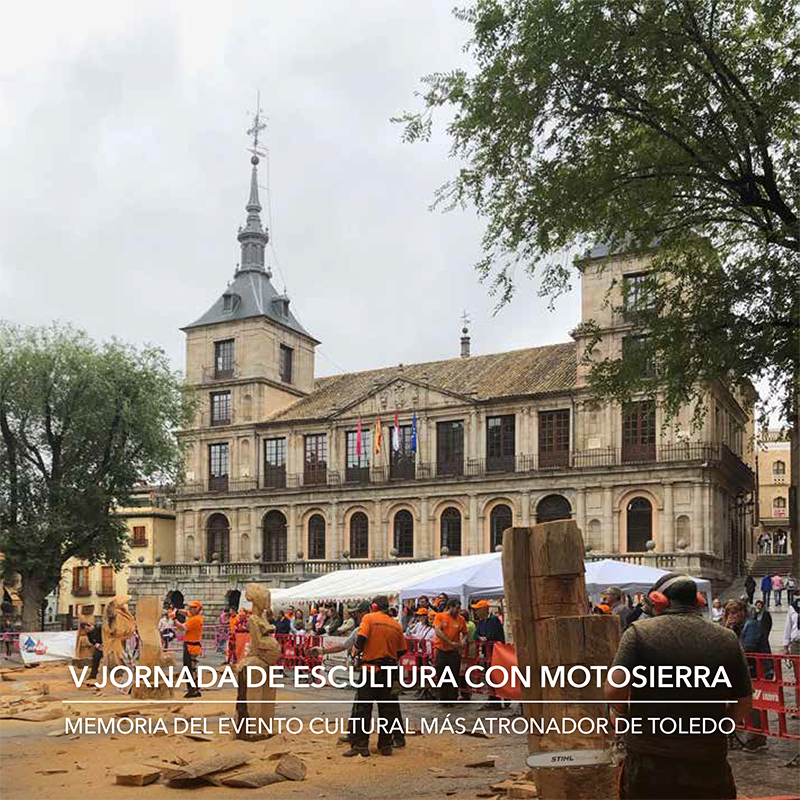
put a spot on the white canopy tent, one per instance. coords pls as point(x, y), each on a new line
point(357, 584)
point(486, 579)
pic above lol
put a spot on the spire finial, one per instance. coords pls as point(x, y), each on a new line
point(254, 130)
point(464, 334)
point(253, 238)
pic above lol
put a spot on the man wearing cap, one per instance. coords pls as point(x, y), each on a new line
point(451, 633)
point(679, 764)
point(381, 642)
point(192, 637)
point(489, 629)
point(613, 598)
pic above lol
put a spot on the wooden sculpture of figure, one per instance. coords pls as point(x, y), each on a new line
point(118, 626)
point(264, 652)
point(148, 611)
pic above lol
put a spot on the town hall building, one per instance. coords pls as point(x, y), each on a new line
point(287, 475)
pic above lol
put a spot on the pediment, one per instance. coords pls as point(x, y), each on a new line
point(403, 394)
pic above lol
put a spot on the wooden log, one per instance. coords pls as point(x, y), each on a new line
point(208, 766)
point(546, 600)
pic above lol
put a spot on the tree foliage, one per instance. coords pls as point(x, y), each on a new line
point(634, 122)
point(80, 425)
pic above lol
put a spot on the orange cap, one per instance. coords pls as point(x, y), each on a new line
point(422, 611)
point(196, 604)
point(481, 604)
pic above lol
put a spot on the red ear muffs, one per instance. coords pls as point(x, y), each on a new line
point(659, 601)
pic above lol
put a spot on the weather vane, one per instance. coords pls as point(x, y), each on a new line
point(254, 131)
point(464, 318)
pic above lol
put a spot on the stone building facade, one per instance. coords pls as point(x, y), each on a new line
point(774, 479)
point(284, 477)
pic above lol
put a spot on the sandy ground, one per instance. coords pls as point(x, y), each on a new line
point(431, 766)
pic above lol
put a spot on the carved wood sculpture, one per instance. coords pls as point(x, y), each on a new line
point(148, 608)
point(83, 647)
point(546, 599)
point(264, 652)
point(118, 627)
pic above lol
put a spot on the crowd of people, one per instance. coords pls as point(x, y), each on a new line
point(775, 544)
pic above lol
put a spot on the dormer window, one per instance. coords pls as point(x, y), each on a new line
point(281, 305)
point(229, 300)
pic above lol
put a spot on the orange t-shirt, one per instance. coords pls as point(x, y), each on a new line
point(193, 633)
point(451, 628)
point(384, 635)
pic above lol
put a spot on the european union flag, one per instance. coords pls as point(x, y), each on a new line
point(414, 433)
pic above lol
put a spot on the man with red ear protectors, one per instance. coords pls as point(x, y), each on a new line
point(668, 755)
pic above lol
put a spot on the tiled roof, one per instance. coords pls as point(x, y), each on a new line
point(535, 370)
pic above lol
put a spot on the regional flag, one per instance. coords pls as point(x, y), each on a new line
point(378, 438)
point(414, 433)
point(396, 434)
point(358, 438)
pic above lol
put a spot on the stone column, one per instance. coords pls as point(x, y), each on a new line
point(180, 537)
point(473, 545)
point(580, 512)
point(609, 545)
point(199, 537)
point(377, 533)
point(423, 544)
point(333, 451)
point(256, 533)
point(698, 521)
point(533, 435)
point(667, 532)
point(334, 545)
point(294, 543)
point(525, 519)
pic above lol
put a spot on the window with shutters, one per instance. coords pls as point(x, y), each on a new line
point(218, 467)
point(554, 438)
point(639, 431)
point(359, 535)
point(223, 359)
point(404, 534)
point(315, 470)
point(287, 357)
point(80, 581)
point(501, 443)
point(107, 584)
point(450, 448)
point(275, 463)
point(139, 536)
point(316, 538)
point(357, 458)
point(220, 408)
point(402, 462)
point(451, 531)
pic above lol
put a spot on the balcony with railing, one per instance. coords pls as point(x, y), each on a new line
point(212, 374)
point(106, 589)
point(703, 454)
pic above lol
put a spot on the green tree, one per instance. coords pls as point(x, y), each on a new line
point(81, 424)
point(630, 123)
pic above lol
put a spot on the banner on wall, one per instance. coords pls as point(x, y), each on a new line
point(47, 646)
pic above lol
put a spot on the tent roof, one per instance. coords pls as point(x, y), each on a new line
point(356, 584)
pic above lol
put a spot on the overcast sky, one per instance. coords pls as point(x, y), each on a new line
point(125, 174)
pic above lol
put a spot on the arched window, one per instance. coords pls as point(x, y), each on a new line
point(779, 502)
point(640, 524)
point(499, 519)
point(451, 530)
point(218, 538)
point(779, 468)
point(404, 534)
point(553, 507)
point(274, 537)
point(359, 535)
point(316, 538)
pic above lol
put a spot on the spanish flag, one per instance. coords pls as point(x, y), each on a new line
point(378, 438)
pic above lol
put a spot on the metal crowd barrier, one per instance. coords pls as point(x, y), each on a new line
point(776, 694)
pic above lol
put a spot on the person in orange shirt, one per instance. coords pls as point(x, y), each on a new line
point(451, 634)
point(380, 642)
point(192, 636)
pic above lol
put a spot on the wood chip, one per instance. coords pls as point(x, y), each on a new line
point(521, 791)
point(487, 763)
point(136, 775)
point(199, 737)
point(51, 771)
point(277, 756)
point(477, 734)
point(208, 766)
point(292, 767)
point(253, 780)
